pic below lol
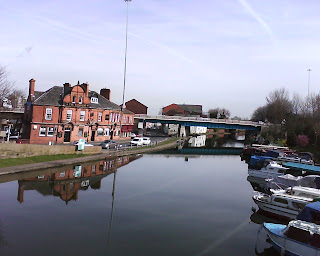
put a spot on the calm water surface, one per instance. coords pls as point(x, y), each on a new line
point(163, 205)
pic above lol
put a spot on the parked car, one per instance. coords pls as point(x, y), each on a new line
point(137, 141)
point(146, 141)
point(107, 144)
point(86, 144)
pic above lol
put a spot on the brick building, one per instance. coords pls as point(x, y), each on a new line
point(64, 114)
point(136, 107)
point(182, 110)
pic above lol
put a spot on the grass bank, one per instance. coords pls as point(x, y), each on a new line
point(36, 159)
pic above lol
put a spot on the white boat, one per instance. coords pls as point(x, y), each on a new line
point(271, 170)
point(286, 203)
point(299, 238)
point(295, 159)
point(288, 180)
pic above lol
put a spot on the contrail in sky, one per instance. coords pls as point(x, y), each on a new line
point(257, 17)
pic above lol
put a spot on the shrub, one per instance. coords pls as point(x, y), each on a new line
point(302, 141)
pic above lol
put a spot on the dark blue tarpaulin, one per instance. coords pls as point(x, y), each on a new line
point(310, 213)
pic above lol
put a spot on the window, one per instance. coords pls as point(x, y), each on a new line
point(100, 132)
point(106, 118)
point(80, 100)
point(62, 174)
point(94, 100)
point(125, 119)
point(48, 113)
point(69, 115)
point(74, 99)
point(50, 131)
point(281, 200)
point(80, 134)
point(42, 131)
point(130, 120)
point(100, 117)
point(82, 115)
point(106, 132)
point(93, 169)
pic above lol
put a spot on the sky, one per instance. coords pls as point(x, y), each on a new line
point(214, 53)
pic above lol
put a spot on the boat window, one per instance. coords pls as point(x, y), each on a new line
point(297, 234)
point(297, 205)
point(315, 240)
point(281, 200)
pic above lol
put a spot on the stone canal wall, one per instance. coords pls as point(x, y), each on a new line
point(11, 150)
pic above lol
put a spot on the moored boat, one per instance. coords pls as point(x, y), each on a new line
point(286, 203)
point(298, 238)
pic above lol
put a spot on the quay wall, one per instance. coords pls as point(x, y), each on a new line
point(13, 150)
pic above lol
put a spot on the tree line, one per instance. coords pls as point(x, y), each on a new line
point(7, 91)
point(299, 117)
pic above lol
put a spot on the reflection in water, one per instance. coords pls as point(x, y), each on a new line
point(258, 184)
point(66, 184)
point(261, 217)
point(197, 142)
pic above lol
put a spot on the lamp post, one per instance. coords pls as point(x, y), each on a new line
point(125, 67)
point(309, 70)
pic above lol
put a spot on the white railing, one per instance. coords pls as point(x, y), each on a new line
point(199, 119)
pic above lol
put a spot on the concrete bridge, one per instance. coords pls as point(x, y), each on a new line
point(200, 121)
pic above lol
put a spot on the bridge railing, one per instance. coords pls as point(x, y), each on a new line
point(194, 118)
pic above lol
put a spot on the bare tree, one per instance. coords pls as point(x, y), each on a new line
point(278, 105)
point(221, 113)
point(5, 85)
point(297, 103)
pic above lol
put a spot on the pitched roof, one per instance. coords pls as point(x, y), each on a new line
point(53, 97)
point(136, 101)
point(191, 108)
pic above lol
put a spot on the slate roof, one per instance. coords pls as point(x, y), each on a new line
point(136, 101)
point(191, 108)
point(53, 97)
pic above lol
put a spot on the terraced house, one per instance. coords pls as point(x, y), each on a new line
point(64, 114)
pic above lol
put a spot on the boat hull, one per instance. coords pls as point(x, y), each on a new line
point(263, 174)
point(287, 246)
point(276, 210)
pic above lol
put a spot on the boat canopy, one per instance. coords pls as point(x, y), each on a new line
point(303, 167)
point(310, 213)
point(258, 159)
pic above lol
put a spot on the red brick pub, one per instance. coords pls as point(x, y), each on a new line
point(69, 113)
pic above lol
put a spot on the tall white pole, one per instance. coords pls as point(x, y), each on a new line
point(309, 70)
point(125, 67)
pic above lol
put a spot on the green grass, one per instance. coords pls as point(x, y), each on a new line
point(153, 146)
point(36, 159)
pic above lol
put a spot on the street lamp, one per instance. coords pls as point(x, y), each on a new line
point(125, 67)
point(309, 70)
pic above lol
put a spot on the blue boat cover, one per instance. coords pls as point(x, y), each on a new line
point(255, 159)
point(310, 213)
point(303, 167)
point(273, 153)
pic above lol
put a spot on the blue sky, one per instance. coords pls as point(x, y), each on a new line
point(215, 53)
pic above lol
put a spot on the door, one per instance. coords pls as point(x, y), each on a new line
point(66, 136)
point(93, 134)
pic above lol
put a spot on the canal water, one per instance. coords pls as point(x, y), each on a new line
point(161, 204)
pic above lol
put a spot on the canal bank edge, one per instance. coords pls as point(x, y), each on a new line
point(80, 160)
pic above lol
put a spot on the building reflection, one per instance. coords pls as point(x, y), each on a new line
point(67, 183)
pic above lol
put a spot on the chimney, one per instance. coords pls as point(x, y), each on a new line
point(85, 87)
point(65, 85)
point(105, 93)
point(31, 89)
